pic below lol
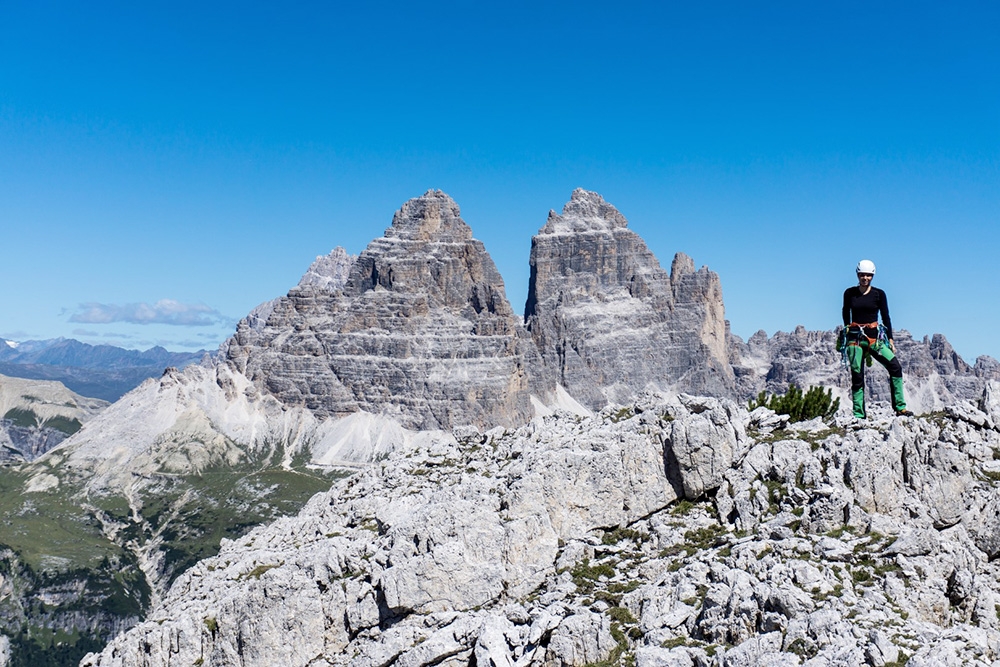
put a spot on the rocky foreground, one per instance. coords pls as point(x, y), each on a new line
point(675, 531)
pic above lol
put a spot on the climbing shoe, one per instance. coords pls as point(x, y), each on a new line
point(904, 413)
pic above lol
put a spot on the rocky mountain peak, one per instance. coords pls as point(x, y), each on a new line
point(680, 267)
point(421, 331)
point(434, 216)
point(609, 321)
point(329, 271)
point(585, 212)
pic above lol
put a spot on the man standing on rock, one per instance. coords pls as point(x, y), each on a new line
point(866, 339)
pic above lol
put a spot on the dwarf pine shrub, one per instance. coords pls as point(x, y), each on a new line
point(816, 402)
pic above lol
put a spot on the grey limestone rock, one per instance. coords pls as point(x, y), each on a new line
point(420, 330)
point(609, 322)
point(581, 639)
point(561, 543)
point(329, 272)
point(704, 446)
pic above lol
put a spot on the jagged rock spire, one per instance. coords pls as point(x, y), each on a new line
point(421, 331)
point(609, 321)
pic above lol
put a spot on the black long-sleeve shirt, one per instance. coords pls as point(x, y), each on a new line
point(865, 308)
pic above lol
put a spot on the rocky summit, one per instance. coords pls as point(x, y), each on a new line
point(420, 331)
point(609, 322)
point(673, 531)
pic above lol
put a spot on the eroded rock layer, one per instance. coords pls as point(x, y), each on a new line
point(421, 330)
point(610, 322)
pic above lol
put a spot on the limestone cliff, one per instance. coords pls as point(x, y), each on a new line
point(610, 322)
point(420, 331)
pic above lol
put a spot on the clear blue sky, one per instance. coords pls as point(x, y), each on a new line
point(179, 163)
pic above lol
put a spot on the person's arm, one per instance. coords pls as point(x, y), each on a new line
point(846, 311)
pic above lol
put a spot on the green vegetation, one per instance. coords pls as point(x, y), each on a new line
point(63, 543)
point(621, 534)
point(705, 538)
point(816, 402)
point(802, 648)
point(682, 507)
point(622, 615)
point(45, 647)
point(259, 570)
point(622, 415)
point(22, 418)
point(67, 426)
point(585, 575)
point(26, 418)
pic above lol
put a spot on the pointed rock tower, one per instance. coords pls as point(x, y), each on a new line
point(421, 331)
point(609, 322)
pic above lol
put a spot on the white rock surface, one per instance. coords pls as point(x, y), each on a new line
point(563, 543)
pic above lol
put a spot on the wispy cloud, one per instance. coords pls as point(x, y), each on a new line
point(164, 311)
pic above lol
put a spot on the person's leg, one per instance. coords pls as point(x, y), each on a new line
point(856, 358)
point(884, 355)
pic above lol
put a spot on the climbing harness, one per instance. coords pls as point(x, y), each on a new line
point(854, 333)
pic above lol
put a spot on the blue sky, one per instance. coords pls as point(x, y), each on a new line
point(165, 167)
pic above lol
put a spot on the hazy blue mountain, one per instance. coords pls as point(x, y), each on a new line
point(99, 371)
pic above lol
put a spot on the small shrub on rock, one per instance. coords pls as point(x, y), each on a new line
point(816, 402)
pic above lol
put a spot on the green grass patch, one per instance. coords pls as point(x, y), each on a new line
point(682, 508)
point(622, 415)
point(22, 418)
point(621, 534)
point(586, 575)
point(64, 425)
point(705, 538)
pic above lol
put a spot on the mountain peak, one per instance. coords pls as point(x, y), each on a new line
point(433, 216)
point(329, 271)
point(586, 211)
point(600, 309)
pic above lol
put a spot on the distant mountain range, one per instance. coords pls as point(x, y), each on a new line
point(98, 371)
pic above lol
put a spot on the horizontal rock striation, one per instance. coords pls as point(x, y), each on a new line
point(609, 322)
point(421, 331)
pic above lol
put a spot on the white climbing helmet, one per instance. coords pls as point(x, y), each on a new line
point(866, 266)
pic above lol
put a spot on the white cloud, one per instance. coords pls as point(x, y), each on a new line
point(164, 311)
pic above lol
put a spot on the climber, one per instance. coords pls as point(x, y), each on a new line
point(864, 338)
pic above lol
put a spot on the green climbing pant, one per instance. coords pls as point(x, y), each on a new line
point(861, 350)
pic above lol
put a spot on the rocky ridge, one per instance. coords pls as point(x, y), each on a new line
point(670, 531)
point(609, 322)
